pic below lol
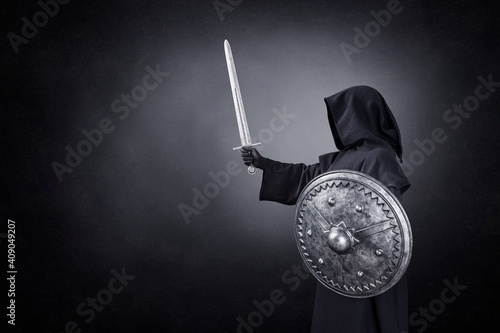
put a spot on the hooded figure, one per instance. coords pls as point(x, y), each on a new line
point(368, 139)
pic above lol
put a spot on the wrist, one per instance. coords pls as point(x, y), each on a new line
point(263, 163)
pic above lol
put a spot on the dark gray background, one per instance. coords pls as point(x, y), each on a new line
point(120, 206)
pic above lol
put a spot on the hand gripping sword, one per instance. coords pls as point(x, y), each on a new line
point(246, 141)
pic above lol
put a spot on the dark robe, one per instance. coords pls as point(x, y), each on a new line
point(368, 139)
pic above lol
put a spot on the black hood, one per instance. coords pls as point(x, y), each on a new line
point(359, 117)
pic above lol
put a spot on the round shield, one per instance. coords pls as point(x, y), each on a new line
point(352, 233)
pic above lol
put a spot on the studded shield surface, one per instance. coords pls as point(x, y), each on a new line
point(352, 233)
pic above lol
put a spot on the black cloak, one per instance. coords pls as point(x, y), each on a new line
point(368, 139)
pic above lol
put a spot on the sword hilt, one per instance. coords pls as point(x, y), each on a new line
point(251, 169)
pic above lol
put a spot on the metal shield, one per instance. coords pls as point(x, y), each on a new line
point(352, 233)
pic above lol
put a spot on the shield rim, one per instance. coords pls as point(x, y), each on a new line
point(389, 198)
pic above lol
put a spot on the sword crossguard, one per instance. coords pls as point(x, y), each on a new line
point(248, 145)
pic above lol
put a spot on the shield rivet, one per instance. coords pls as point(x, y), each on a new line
point(359, 208)
point(379, 252)
point(320, 261)
point(331, 201)
point(360, 274)
point(309, 232)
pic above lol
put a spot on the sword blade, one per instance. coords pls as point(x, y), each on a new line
point(238, 102)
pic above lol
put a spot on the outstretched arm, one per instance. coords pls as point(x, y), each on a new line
point(281, 182)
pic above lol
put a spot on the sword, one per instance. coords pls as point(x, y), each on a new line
point(246, 140)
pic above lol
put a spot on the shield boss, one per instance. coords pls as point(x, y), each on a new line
point(352, 233)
